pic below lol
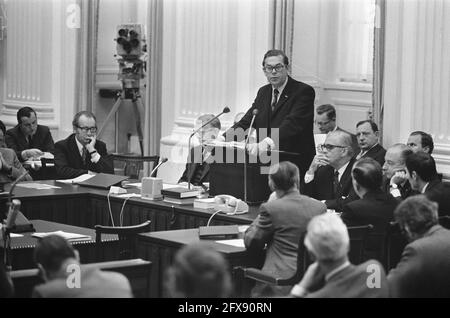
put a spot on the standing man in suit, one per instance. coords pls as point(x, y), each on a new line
point(423, 270)
point(374, 206)
point(423, 177)
point(197, 169)
point(329, 176)
point(326, 122)
point(285, 109)
point(280, 224)
point(27, 138)
point(81, 152)
point(368, 134)
point(332, 275)
point(57, 260)
point(394, 171)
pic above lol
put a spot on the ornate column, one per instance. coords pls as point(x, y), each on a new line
point(417, 73)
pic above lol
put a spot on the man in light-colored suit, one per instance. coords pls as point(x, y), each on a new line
point(424, 269)
point(58, 263)
point(332, 275)
point(280, 223)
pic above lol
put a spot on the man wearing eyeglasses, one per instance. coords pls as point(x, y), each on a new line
point(81, 152)
point(284, 104)
point(28, 139)
point(329, 178)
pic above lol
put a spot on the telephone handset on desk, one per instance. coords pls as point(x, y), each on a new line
point(229, 204)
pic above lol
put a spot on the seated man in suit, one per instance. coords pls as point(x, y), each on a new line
point(197, 167)
point(198, 271)
point(10, 166)
point(280, 223)
point(326, 122)
point(394, 172)
point(329, 176)
point(81, 152)
point(374, 206)
point(332, 275)
point(423, 177)
point(28, 139)
point(60, 268)
point(423, 270)
point(420, 141)
point(368, 134)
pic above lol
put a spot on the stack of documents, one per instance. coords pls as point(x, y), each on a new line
point(68, 236)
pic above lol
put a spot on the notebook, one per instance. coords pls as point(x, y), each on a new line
point(103, 180)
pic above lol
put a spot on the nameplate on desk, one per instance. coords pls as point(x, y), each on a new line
point(218, 231)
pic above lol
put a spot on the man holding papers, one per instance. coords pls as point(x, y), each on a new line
point(81, 152)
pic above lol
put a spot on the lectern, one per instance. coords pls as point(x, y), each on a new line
point(227, 173)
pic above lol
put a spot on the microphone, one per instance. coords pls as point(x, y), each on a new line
point(224, 111)
point(255, 112)
point(158, 165)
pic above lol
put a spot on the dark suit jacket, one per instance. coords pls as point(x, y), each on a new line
point(321, 188)
point(293, 116)
point(405, 189)
point(69, 164)
point(351, 282)
point(280, 224)
point(377, 153)
point(439, 192)
point(41, 140)
point(423, 270)
point(196, 170)
point(376, 208)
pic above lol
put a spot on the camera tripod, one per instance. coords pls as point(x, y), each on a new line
point(135, 97)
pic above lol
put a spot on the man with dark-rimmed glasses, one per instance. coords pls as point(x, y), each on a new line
point(329, 176)
point(81, 152)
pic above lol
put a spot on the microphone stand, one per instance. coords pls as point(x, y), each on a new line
point(255, 112)
point(224, 111)
point(158, 165)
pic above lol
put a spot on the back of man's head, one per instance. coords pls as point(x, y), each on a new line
point(198, 271)
point(423, 164)
point(52, 251)
point(284, 176)
point(417, 213)
point(328, 109)
point(327, 238)
point(367, 173)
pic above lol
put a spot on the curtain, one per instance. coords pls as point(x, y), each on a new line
point(282, 24)
point(86, 55)
point(378, 65)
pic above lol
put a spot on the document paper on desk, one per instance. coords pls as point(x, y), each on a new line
point(81, 178)
point(37, 186)
point(68, 236)
point(234, 242)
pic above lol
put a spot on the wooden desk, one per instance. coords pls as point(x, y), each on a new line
point(160, 248)
point(86, 207)
point(22, 248)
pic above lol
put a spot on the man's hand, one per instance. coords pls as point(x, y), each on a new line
point(319, 160)
point(266, 144)
point(399, 177)
point(31, 153)
point(91, 145)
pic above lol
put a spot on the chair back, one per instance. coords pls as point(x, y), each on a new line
point(127, 238)
point(395, 244)
point(48, 170)
point(444, 221)
point(132, 165)
point(358, 236)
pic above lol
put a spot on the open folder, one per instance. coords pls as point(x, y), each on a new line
point(103, 180)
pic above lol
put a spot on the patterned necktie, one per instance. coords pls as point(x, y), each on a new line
point(84, 155)
point(336, 184)
point(274, 99)
point(29, 141)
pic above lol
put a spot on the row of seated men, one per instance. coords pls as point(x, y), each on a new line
point(79, 153)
